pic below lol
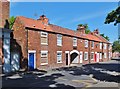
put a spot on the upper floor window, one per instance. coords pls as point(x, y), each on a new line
point(92, 44)
point(44, 38)
point(109, 46)
point(105, 46)
point(85, 55)
point(74, 41)
point(59, 56)
point(86, 43)
point(100, 45)
point(59, 40)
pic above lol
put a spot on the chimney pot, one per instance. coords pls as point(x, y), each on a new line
point(44, 19)
point(81, 29)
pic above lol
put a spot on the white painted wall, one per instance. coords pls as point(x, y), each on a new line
point(15, 61)
point(6, 49)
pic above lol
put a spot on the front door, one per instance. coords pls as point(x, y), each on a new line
point(95, 57)
point(31, 61)
point(66, 58)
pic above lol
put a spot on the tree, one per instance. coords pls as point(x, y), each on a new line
point(11, 21)
point(116, 46)
point(87, 30)
point(113, 16)
point(106, 37)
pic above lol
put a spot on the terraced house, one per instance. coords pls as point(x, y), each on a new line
point(44, 45)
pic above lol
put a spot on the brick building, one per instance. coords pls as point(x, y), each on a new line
point(44, 45)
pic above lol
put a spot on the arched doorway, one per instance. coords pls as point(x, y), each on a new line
point(74, 57)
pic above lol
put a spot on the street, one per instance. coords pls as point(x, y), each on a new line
point(106, 74)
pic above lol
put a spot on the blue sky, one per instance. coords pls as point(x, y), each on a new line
point(69, 14)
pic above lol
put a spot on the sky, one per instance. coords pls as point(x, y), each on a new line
point(70, 14)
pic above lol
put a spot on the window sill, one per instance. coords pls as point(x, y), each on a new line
point(59, 45)
point(43, 64)
point(59, 62)
point(43, 44)
point(92, 59)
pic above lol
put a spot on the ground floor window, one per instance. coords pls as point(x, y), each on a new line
point(59, 56)
point(105, 55)
point(92, 55)
point(44, 57)
point(85, 55)
point(109, 55)
point(100, 55)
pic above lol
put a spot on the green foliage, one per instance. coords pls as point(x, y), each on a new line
point(113, 16)
point(106, 37)
point(116, 46)
point(87, 30)
point(11, 21)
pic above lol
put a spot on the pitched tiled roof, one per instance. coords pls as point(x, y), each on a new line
point(37, 24)
point(102, 38)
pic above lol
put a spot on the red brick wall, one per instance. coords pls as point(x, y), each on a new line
point(20, 34)
point(4, 12)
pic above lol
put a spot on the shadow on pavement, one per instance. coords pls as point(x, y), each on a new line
point(33, 81)
point(99, 71)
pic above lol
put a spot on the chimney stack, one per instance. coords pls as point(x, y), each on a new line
point(96, 31)
point(44, 19)
point(4, 12)
point(81, 29)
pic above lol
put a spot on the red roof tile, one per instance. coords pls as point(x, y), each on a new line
point(37, 24)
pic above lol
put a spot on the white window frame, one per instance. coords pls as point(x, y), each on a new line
point(74, 41)
point(91, 55)
point(100, 55)
point(45, 36)
point(86, 43)
point(105, 46)
point(109, 46)
point(43, 56)
point(57, 56)
point(59, 39)
point(92, 44)
point(100, 45)
point(87, 55)
point(109, 55)
point(105, 55)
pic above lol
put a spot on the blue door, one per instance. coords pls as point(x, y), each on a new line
point(31, 61)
